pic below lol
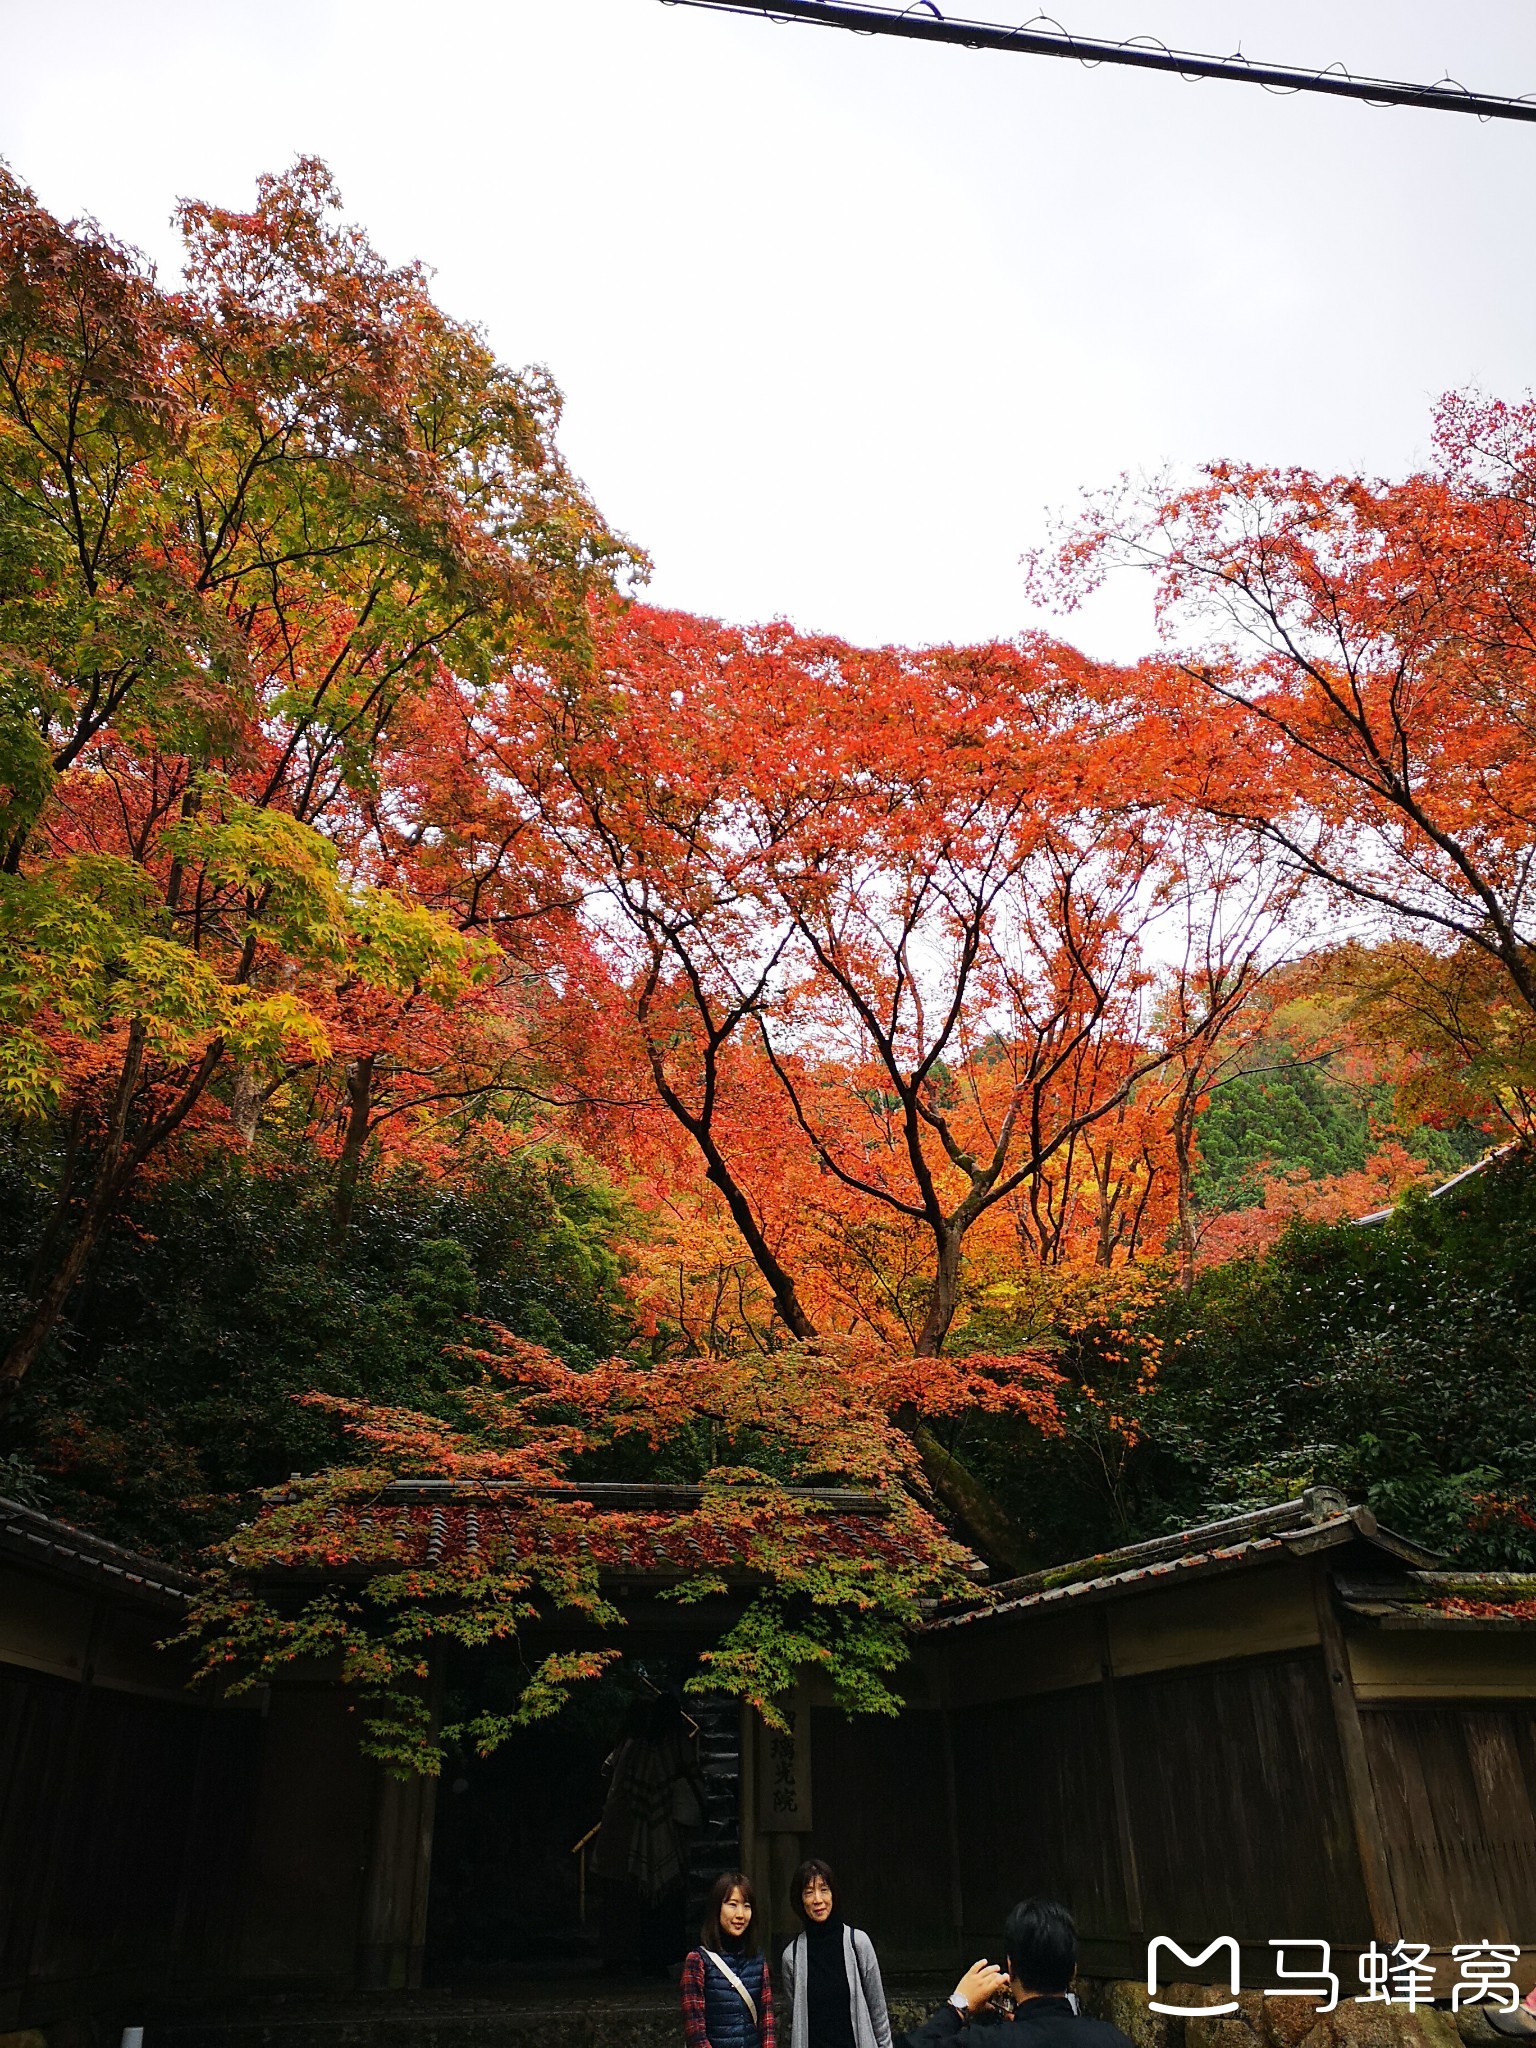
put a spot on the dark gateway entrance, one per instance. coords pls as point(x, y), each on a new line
point(532, 1844)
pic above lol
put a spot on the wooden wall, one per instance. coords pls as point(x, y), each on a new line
point(1108, 1755)
point(1035, 1810)
point(122, 1822)
point(882, 1822)
point(1166, 1764)
point(150, 1843)
point(1225, 1812)
point(309, 1841)
point(1182, 1762)
point(1238, 1808)
point(1456, 1792)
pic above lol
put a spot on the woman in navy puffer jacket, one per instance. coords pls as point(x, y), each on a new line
point(727, 1998)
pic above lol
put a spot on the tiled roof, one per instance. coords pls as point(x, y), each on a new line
point(1223, 1558)
point(630, 1531)
point(1320, 1520)
point(1442, 1600)
point(30, 1537)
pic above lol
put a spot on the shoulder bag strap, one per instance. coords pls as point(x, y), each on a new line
point(731, 1978)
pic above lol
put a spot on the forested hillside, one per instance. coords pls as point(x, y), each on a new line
point(1397, 1363)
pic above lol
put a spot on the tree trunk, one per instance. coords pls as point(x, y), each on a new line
point(716, 1171)
point(944, 1295)
point(245, 1099)
point(359, 1110)
point(1183, 1152)
point(785, 1299)
point(27, 1346)
point(986, 1526)
point(35, 1332)
point(982, 1522)
point(1105, 1253)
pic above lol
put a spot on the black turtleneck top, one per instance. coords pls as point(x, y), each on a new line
point(828, 2001)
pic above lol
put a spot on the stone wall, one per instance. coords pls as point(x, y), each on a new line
point(1261, 2022)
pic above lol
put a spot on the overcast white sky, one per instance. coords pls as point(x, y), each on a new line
point(839, 319)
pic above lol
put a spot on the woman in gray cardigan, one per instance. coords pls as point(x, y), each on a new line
point(831, 1977)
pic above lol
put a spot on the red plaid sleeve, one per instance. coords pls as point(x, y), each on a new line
point(694, 2035)
point(767, 2038)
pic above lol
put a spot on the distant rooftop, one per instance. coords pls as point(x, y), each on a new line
point(1467, 1173)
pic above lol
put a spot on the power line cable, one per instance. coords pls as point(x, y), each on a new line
point(922, 22)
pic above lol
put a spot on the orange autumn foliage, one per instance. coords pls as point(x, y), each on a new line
point(1349, 673)
point(879, 932)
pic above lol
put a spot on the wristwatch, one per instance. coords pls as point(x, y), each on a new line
point(961, 2004)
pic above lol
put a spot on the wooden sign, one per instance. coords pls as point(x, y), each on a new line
point(784, 1770)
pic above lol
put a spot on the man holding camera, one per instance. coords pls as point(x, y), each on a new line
point(1042, 1961)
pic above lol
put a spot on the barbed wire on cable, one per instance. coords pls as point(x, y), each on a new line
point(1043, 36)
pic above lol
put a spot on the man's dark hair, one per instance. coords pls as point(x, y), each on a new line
point(1042, 1945)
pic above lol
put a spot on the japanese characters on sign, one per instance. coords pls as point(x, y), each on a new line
point(784, 1793)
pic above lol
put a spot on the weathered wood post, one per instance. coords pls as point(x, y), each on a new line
point(1130, 1875)
point(780, 1816)
point(392, 1938)
point(1381, 1901)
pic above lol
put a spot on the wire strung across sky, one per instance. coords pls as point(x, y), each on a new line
point(1043, 37)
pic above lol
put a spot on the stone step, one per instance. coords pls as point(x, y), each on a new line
point(520, 2017)
point(591, 2025)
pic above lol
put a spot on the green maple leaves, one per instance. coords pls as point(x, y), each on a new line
point(89, 944)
